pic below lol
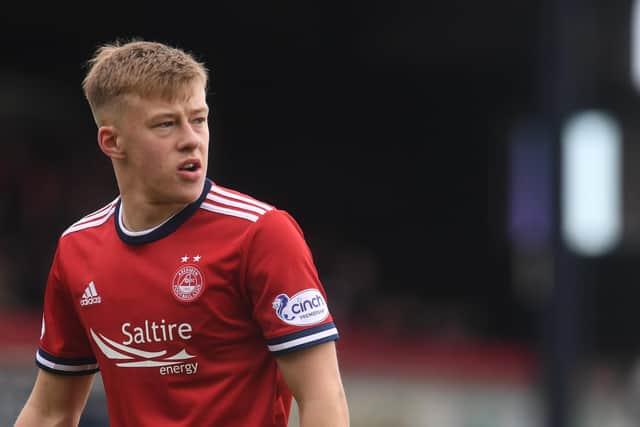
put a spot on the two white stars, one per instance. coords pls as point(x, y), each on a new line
point(186, 258)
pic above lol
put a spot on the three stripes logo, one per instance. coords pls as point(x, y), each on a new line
point(90, 295)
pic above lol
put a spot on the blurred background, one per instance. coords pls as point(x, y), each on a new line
point(371, 123)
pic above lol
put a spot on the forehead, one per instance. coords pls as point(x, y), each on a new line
point(191, 98)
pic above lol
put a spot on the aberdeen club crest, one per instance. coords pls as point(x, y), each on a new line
point(188, 283)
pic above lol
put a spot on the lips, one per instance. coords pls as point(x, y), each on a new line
point(190, 165)
point(190, 170)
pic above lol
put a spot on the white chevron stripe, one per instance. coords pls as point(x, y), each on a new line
point(96, 214)
point(240, 205)
point(109, 351)
point(228, 211)
point(303, 340)
point(249, 200)
point(146, 364)
point(90, 224)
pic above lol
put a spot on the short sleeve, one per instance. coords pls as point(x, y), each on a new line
point(64, 347)
point(282, 283)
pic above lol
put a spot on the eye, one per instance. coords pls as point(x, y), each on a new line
point(166, 124)
point(200, 120)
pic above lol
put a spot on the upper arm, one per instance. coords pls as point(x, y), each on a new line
point(283, 287)
point(55, 400)
point(312, 374)
point(290, 305)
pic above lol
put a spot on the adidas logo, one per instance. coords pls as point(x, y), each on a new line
point(90, 295)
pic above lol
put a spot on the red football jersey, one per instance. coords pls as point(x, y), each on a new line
point(183, 320)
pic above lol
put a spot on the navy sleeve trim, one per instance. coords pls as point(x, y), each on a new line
point(59, 365)
point(303, 339)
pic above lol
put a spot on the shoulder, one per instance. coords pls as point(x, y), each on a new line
point(227, 202)
point(262, 224)
point(93, 219)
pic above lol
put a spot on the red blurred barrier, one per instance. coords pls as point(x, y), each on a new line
point(359, 350)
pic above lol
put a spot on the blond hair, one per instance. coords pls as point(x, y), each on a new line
point(137, 67)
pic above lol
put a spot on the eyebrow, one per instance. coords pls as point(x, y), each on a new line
point(203, 110)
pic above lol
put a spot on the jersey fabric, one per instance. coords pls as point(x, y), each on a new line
point(183, 320)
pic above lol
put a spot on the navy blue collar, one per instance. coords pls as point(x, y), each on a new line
point(166, 228)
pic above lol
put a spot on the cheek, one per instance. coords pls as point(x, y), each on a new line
point(205, 158)
point(151, 159)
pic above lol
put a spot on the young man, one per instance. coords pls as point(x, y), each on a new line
point(200, 306)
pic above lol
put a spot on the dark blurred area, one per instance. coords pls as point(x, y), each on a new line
point(361, 120)
point(394, 132)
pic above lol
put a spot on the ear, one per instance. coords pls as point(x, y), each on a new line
point(110, 143)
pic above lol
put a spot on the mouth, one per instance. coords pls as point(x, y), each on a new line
point(191, 165)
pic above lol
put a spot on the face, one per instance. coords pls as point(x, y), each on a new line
point(165, 147)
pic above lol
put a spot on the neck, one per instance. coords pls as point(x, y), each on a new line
point(140, 215)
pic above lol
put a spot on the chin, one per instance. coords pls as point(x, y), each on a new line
point(189, 193)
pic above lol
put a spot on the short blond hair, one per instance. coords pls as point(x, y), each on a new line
point(138, 67)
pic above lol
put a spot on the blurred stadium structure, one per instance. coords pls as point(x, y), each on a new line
point(364, 125)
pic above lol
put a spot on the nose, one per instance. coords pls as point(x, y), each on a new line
point(190, 138)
